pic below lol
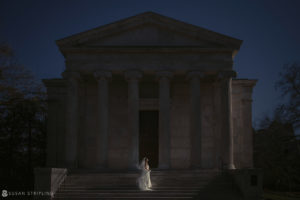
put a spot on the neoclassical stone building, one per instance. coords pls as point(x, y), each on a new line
point(149, 86)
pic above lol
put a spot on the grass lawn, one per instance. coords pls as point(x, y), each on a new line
point(275, 195)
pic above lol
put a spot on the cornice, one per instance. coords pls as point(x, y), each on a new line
point(245, 82)
point(145, 49)
point(154, 19)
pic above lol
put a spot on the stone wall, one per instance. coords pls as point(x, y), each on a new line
point(213, 142)
point(88, 121)
point(242, 122)
point(56, 122)
point(179, 122)
point(119, 137)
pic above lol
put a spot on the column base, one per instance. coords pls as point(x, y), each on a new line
point(71, 164)
point(196, 167)
point(163, 166)
point(230, 166)
point(101, 165)
point(133, 168)
point(100, 168)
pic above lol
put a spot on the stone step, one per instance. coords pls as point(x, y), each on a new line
point(128, 191)
point(166, 185)
point(90, 171)
point(130, 186)
point(135, 194)
point(125, 198)
point(133, 182)
point(125, 179)
point(133, 178)
point(129, 196)
point(170, 187)
point(136, 175)
point(154, 174)
point(127, 187)
point(154, 185)
point(103, 177)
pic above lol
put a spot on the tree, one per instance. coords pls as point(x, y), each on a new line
point(276, 148)
point(16, 81)
point(22, 122)
point(289, 84)
point(276, 152)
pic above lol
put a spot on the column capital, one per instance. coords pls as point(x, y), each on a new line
point(197, 74)
point(226, 74)
point(71, 75)
point(164, 74)
point(133, 75)
point(102, 74)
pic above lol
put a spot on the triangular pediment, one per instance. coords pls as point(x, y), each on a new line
point(150, 29)
point(149, 35)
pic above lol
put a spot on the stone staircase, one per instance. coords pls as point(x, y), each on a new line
point(179, 184)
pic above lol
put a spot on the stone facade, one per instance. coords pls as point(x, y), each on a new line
point(182, 73)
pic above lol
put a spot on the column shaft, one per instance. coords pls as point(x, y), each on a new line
point(164, 120)
point(228, 122)
point(226, 82)
point(195, 121)
point(103, 122)
point(71, 134)
point(52, 146)
point(103, 118)
point(133, 116)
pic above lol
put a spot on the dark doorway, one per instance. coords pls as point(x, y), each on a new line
point(148, 138)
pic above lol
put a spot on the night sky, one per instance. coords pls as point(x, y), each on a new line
point(270, 31)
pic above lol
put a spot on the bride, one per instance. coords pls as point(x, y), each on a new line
point(143, 180)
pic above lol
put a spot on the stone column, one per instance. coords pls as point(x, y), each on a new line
point(52, 135)
point(226, 81)
point(133, 77)
point(164, 119)
point(71, 134)
point(195, 118)
point(103, 122)
point(248, 134)
point(247, 123)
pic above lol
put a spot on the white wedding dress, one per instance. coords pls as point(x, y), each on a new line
point(144, 181)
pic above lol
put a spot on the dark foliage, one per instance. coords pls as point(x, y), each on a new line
point(289, 85)
point(276, 147)
point(277, 152)
point(22, 123)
